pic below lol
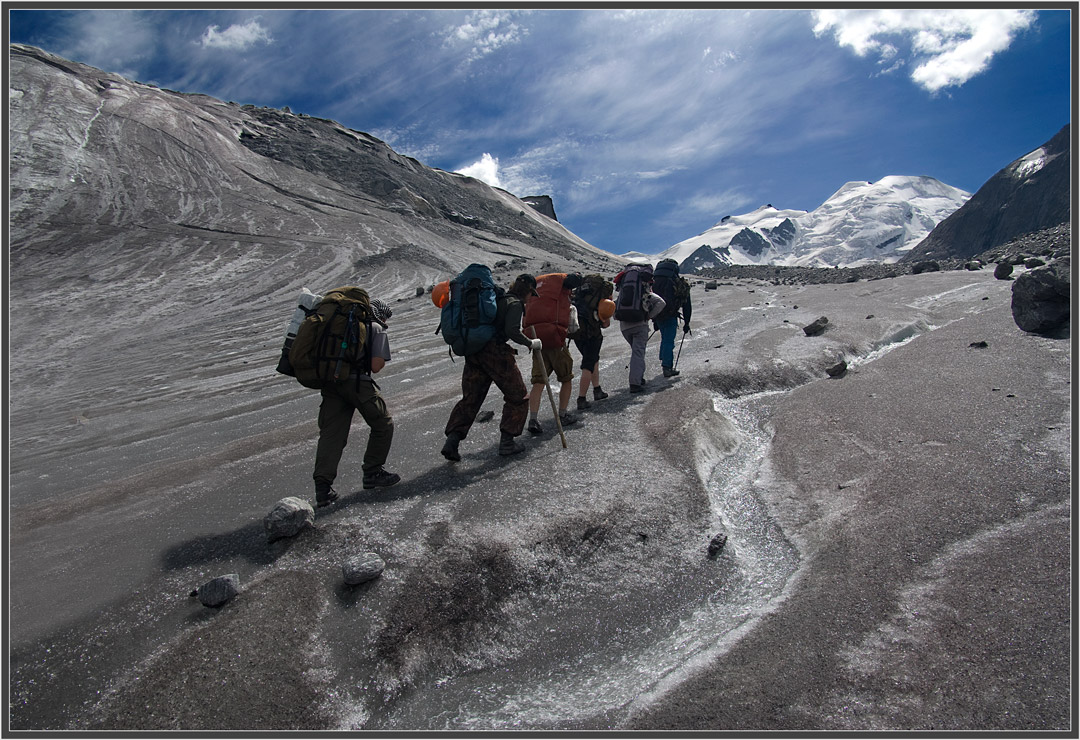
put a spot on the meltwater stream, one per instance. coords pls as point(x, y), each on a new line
point(600, 688)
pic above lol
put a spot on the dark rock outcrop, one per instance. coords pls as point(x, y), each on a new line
point(542, 204)
point(1040, 299)
point(1030, 194)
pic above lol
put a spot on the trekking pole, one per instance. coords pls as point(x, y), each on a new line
point(551, 396)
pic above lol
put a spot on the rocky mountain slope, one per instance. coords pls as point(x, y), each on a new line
point(861, 223)
point(131, 204)
point(1032, 193)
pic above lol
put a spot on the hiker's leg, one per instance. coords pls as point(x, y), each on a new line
point(562, 362)
point(335, 418)
point(638, 340)
point(373, 408)
point(475, 382)
point(508, 379)
point(667, 340)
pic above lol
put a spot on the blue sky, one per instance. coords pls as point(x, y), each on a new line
point(646, 126)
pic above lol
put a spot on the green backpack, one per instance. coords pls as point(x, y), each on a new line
point(329, 344)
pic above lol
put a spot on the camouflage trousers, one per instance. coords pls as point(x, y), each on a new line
point(495, 363)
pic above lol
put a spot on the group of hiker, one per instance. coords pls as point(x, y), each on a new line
point(338, 343)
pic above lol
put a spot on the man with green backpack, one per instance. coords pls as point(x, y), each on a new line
point(338, 347)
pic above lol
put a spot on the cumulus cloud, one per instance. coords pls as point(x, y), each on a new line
point(484, 32)
point(948, 47)
point(485, 170)
point(237, 37)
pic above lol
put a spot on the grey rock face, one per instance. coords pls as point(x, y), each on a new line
point(288, 517)
point(362, 568)
point(1040, 299)
point(1030, 194)
point(219, 591)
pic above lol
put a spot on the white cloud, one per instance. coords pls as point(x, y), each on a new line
point(485, 170)
point(484, 32)
point(237, 37)
point(948, 47)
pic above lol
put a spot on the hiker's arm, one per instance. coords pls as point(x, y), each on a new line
point(657, 305)
point(687, 309)
point(512, 328)
point(380, 349)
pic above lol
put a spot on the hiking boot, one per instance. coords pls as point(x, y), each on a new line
point(582, 403)
point(534, 427)
point(598, 394)
point(637, 388)
point(509, 446)
point(566, 418)
point(670, 372)
point(379, 478)
point(324, 495)
point(450, 449)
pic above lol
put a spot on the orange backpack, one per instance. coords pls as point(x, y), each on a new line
point(547, 314)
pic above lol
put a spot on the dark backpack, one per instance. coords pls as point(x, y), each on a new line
point(468, 318)
point(628, 306)
point(672, 287)
point(329, 344)
point(587, 296)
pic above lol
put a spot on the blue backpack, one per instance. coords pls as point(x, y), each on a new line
point(468, 318)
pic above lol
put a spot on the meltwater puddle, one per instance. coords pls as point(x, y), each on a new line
point(599, 689)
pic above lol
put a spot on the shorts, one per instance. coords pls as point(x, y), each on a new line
point(557, 359)
point(590, 351)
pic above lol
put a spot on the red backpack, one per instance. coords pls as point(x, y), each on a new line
point(548, 312)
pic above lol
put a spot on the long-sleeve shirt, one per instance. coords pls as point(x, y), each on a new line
point(508, 313)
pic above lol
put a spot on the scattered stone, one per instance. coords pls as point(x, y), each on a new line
point(838, 370)
point(711, 285)
point(716, 544)
point(1003, 271)
point(973, 265)
point(979, 345)
point(817, 327)
point(1040, 299)
point(218, 591)
point(869, 316)
point(925, 266)
point(288, 517)
point(419, 291)
point(1032, 262)
point(362, 568)
point(485, 416)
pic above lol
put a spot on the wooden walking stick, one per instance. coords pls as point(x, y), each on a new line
point(551, 396)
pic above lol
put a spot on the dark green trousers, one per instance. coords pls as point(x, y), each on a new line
point(339, 401)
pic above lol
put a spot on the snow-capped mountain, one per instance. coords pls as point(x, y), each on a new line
point(860, 223)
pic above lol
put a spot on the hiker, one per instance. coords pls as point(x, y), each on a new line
point(637, 304)
point(357, 392)
point(594, 310)
point(496, 363)
point(547, 317)
point(673, 288)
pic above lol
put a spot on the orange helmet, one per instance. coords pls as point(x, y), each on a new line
point(606, 309)
point(440, 294)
